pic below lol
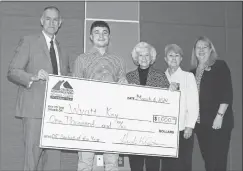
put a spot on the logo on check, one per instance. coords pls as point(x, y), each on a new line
point(62, 90)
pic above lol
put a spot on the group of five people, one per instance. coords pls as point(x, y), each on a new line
point(205, 105)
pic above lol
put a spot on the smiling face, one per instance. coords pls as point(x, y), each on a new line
point(202, 51)
point(50, 22)
point(173, 59)
point(144, 58)
point(100, 37)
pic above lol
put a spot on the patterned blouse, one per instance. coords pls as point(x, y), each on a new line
point(199, 74)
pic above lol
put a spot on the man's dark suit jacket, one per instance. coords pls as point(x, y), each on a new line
point(215, 89)
point(31, 55)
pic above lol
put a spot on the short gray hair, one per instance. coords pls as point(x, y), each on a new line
point(173, 47)
point(52, 8)
point(141, 46)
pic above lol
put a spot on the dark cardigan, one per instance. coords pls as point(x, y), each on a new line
point(155, 78)
point(216, 88)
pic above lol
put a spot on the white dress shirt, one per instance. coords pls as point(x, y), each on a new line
point(189, 103)
point(48, 40)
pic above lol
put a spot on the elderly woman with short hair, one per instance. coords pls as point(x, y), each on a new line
point(189, 109)
point(144, 56)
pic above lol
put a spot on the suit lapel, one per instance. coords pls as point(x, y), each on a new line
point(47, 53)
point(45, 48)
point(63, 60)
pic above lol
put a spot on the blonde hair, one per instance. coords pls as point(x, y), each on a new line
point(213, 55)
point(140, 47)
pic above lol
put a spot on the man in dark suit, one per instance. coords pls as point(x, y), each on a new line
point(35, 57)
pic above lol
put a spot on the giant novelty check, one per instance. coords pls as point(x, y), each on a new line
point(86, 115)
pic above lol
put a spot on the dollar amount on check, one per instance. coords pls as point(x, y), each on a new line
point(84, 115)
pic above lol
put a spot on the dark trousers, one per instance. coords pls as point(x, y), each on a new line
point(152, 163)
point(214, 146)
point(184, 160)
point(36, 158)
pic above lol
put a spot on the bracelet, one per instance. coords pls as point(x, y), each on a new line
point(220, 114)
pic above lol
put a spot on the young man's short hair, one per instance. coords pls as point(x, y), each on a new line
point(99, 24)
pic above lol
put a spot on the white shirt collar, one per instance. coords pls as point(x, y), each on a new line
point(178, 71)
point(48, 39)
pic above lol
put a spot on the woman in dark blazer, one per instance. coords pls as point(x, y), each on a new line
point(144, 56)
point(215, 121)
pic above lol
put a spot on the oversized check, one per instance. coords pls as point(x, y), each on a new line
point(86, 115)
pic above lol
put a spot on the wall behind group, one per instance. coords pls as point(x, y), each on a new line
point(181, 23)
point(161, 23)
